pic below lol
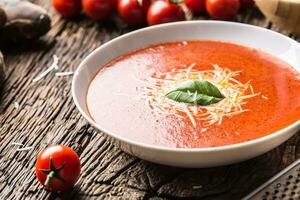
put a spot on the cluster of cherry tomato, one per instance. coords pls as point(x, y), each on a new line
point(140, 12)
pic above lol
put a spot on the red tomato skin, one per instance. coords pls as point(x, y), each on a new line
point(132, 13)
point(162, 11)
point(99, 9)
point(195, 6)
point(222, 9)
point(247, 3)
point(67, 8)
point(60, 154)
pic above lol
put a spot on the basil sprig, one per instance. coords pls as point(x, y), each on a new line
point(199, 92)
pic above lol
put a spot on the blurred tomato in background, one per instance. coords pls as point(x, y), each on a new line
point(67, 8)
point(195, 6)
point(162, 11)
point(222, 9)
point(151, 12)
point(99, 9)
point(247, 3)
point(133, 12)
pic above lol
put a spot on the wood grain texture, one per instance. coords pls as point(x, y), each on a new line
point(48, 115)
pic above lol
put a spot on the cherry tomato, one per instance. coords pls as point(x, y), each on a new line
point(99, 9)
point(222, 9)
point(133, 12)
point(247, 3)
point(163, 11)
point(67, 8)
point(196, 6)
point(58, 168)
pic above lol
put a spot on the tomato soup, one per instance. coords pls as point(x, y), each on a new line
point(150, 95)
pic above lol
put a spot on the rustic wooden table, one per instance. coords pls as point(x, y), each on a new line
point(48, 115)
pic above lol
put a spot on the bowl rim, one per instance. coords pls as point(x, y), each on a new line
point(245, 144)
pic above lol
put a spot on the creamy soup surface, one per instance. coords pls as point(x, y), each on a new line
point(262, 94)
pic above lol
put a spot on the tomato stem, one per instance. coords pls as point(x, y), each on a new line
point(176, 1)
point(53, 173)
point(50, 176)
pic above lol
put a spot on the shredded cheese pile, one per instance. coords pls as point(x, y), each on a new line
point(236, 94)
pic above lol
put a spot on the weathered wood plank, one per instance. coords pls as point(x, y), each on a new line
point(47, 115)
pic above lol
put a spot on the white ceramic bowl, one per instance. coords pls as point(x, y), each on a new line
point(252, 36)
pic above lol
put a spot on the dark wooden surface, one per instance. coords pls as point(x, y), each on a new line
point(48, 115)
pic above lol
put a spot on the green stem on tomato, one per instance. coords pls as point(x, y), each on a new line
point(53, 173)
point(176, 1)
point(50, 176)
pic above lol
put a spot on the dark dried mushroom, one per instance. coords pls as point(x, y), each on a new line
point(2, 18)
point(25, 21)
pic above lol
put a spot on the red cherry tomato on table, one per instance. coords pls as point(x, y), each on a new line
point(58, 168)
point(99, 9)
point(247, 3)
point(222, 9)
point(133, 12)
point(195, 6)
point(163, 11)
point(67, 8)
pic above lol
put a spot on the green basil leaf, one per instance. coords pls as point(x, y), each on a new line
point(200, 92)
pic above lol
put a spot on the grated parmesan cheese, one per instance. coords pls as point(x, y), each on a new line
point(64, 73)
point(47, 71)
point(264, 97)
point(17, 144)
point(185, 43)
point(186, 109)
point(196, 187)
point(203, 130)
point(16, 105)
point(236, 94)
point(24, 149)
